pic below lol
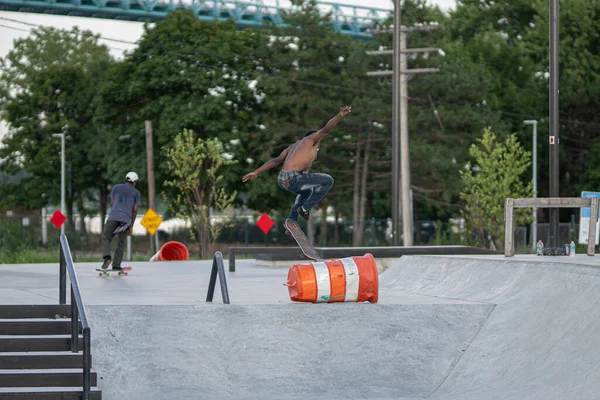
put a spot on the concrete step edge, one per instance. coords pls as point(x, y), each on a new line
point(45, 389)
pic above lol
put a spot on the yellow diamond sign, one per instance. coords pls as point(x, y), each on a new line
point(151, 221)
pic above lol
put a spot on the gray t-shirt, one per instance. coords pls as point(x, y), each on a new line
point(125, 197)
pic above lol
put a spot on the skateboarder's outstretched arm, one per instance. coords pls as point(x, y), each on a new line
point(331, 124)
point(273, 162)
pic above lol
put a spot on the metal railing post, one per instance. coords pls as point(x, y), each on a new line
point(62, 278)
point(217, 268)
point(592, 228)
point(509, 244)
point(222, 278)
point(87, 363)
point(77, 312)
point(74, 325)
point(212, 282)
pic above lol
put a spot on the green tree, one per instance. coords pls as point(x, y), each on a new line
point(48, 84)
point(495, 176)
point(197, 167)
point(519, 62)
point(579, 65)
point(445, 110)
point(306, 80)
point(186, 74)
point(312, 70)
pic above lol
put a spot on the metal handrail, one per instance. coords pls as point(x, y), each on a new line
point(217, 267)
point(77, 312)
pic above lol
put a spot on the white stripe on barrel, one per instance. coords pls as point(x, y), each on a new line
point(323, 282)
point(352, 278)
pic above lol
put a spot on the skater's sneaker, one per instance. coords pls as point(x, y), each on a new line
point(303, 213)
point(106, 263)
point(117, 268)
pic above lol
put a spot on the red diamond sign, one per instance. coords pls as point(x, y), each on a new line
point(58, 219)
point(265, 223)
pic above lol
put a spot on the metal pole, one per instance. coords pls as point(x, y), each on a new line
point(534, 231)
point(212, 281)
point(62, 278)
point(150, 166)
point(222, 278)
point(396, 128)
point(62, 180)
point(407, 222)
point(44, 227)
point(87, 363)
point(62, 177)
point(74, 323)
point(534, 223)
point(554, 127)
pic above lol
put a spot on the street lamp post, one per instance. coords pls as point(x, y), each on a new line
point(534, 223)
point(62, 177)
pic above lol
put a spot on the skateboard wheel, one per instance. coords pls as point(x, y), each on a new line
point(99, 273)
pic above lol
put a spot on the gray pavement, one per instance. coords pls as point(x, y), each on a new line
point(156, 283)
point(304, 351)
point(446, 327)
point(540, 342)
point(149, 283)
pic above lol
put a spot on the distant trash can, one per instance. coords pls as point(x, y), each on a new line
point(171, 251)
point(352, 279)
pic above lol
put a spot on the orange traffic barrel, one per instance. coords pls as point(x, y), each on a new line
point(352, 279)
point(171, 251)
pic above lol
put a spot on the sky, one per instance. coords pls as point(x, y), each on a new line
point(14, 25)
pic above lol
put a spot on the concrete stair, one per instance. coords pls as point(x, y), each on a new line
point(36, 361)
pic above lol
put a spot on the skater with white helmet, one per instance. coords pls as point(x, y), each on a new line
point(125, 199)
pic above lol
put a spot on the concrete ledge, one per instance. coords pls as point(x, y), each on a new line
point(292, 254)
point(382, 263)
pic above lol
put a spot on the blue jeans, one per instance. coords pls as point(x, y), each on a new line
point(310, 188)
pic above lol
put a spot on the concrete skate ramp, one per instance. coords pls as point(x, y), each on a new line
point(542, 340)
point(289, 351)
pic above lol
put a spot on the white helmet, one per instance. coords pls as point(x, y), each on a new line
point(131, 177)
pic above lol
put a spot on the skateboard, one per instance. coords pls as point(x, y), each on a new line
point(106, 272)
point(308, 251)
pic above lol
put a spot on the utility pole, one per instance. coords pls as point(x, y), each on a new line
point(554, 127)
point(150, 166)
point(396, 99)
point(401, 196)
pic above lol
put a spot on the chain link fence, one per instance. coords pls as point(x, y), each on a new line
point(27, 234)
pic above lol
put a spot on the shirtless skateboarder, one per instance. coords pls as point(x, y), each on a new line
point(294, 176)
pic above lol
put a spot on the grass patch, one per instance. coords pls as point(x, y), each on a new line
point(28, 256)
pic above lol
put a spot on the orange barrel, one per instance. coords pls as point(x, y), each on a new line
point(352, 279)
point(171, 251)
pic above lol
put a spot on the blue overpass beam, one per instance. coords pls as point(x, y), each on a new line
point(347, 19)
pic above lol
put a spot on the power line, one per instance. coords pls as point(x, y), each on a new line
point(196, 52)
point(29, 30)
point(46, 26)
point(308, 83)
